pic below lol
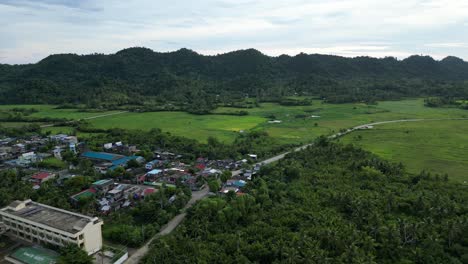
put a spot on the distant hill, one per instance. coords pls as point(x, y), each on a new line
point(136, 75)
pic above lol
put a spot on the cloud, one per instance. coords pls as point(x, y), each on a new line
point(34, 29)
point(447, 45)
point(75, 4)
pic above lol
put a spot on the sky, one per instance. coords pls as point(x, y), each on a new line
point(33, 29)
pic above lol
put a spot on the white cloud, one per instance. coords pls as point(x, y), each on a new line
point(447, 45)
point(33, 29)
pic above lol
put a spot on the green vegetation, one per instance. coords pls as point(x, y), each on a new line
point(52, 163)
point(200, 127)
point(327, 204)
point(435, 146)
point(72, 254)
point(185, 80)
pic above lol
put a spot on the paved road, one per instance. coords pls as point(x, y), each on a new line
point(168, 228)
point(88, 118)
point(141, 252)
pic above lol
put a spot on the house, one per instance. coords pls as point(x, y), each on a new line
point(4, 155)
point(103, 186)
point(236, 183)
point(227, 189)
point(41, 177)
point(252, 156)
point(148, 192)
point(210, 172)
point(19, 148)
point(27, 159)
point(153, 174)
point(108, 146)
point(57, 153)
point(153, 164)
point(115, 195)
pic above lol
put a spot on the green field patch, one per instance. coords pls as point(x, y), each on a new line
point(200, 127)
point(436, 146)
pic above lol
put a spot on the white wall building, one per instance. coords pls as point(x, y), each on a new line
point(39, 223)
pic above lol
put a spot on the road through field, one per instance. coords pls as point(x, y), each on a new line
point(141, 252)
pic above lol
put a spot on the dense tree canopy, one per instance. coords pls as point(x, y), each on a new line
point(327, 204)
point(137, 76)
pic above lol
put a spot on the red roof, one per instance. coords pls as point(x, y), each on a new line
point(149, 191)
point(41, 175)
point(201, 166)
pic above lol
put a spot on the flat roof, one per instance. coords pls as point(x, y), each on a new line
point(50, 216)
point(34, 255)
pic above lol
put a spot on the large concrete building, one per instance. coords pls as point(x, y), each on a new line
point(39, 223)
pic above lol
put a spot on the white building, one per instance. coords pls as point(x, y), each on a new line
point(39, 223)
point(27, 158)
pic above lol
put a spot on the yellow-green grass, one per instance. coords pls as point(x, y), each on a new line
point(436, 146)
point(334, 117)
point(294, 128)
point(200, 127)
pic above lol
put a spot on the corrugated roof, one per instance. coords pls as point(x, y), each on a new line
point(102, 156)
point(41, 175)
point(84, 194)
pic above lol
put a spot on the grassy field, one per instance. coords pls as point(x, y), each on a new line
point(223, 127)
point(437, 146)
point(323, 119)
point(299, 124)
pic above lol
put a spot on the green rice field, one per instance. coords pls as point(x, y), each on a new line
point(436, 146)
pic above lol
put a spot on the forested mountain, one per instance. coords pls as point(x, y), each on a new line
point(327, 204)
point(137, 75)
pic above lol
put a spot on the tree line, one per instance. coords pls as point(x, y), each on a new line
point(186, 80)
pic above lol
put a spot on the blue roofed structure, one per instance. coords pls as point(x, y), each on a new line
point(110, 161)
point(102, 156)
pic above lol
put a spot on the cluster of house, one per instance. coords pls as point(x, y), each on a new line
point(110, 196)
point(26, 152)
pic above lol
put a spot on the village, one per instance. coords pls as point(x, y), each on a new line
point(121, 179)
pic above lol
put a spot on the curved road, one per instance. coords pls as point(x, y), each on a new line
point(141, 252)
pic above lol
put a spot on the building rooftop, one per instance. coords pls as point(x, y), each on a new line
point(49, 216)
point(103, 182)
point(84, 194)
point(101, 156)
point(41, 175)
